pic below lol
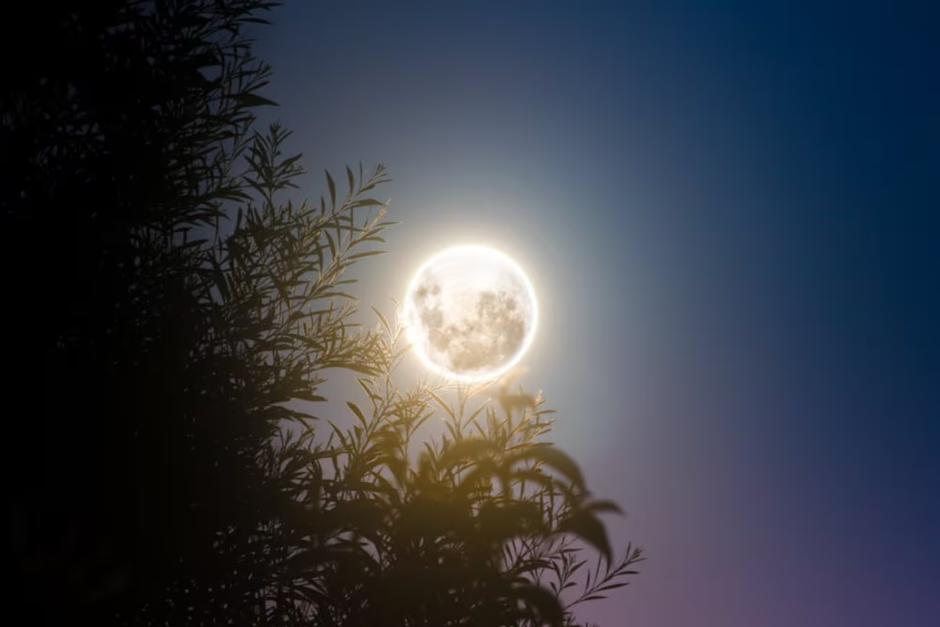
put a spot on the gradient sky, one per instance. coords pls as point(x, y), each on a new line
point(731, 218)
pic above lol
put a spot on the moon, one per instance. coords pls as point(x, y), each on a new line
point(470, 313)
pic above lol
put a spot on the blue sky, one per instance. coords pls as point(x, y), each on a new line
point(731, 215)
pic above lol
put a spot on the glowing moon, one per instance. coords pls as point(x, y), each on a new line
point(470, 313)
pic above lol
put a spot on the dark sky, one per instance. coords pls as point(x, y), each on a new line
point(731, 218)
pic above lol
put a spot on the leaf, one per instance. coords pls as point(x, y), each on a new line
point(589, 528)
point(220, 281)
point(350, 180)
point(332, 187)
point(603, 506)
point(254, 100)
point(309, 396)
point(443, 405)
point(556, 459)
point(368, 253)
point(383, 320)
point(355, 409)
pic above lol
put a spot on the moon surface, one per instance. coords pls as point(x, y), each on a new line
point(470, 313)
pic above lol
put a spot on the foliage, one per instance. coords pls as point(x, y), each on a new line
point(476, 526)
point(197, 312)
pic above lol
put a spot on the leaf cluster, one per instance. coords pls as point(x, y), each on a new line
point(183, 311)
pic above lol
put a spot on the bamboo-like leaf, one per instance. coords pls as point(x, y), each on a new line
point(586, 526)
point(358, 412)
point(556, 459)
point(332, 188)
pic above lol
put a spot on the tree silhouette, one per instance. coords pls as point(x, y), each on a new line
point(182, 312)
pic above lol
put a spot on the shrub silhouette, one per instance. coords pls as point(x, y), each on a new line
point(188, 312)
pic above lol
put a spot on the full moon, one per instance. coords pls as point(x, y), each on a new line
point(470, 313)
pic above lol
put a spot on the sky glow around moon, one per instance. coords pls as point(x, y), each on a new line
point(470, 313)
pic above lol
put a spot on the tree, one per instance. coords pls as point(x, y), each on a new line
point(195, 314)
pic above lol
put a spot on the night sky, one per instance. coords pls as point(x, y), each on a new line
point(731, 217)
